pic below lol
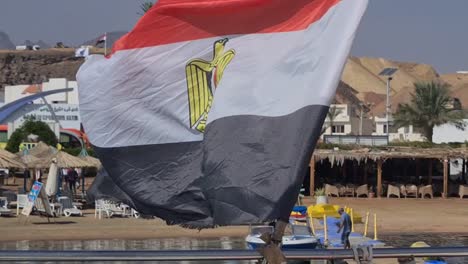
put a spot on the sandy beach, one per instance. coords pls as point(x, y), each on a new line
point(393, 216)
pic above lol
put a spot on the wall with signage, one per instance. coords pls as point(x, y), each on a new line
point(68, 115)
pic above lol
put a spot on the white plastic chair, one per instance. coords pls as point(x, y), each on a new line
point(21, 202)
point(98, 208)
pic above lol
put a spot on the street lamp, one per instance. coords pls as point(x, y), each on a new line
point(388, 72)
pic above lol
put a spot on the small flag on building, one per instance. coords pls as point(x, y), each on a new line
point(82, 52)
point(207, 112)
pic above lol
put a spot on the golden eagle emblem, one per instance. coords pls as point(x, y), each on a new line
point(202, 79)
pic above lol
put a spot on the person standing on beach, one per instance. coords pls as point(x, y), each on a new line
point(346, 225)
point(72, 178)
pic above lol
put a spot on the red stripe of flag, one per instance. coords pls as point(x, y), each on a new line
point(171, 21)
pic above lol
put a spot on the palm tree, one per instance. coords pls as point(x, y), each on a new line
point(145, 7)
point(430, 106)
point(333, 112)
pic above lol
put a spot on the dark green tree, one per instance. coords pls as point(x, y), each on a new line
point(41, 129)
point(430, 106)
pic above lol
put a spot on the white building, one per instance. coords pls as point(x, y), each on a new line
point(346, 122)
point(402, 134)
point(15, 92)
point(448, 133)
point(62, 111)
point(341, 124)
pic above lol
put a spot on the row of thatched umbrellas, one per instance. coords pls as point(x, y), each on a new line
point(41, 156)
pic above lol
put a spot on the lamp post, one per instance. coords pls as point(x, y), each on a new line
point(387, 108)
point(388, 72)
point(360, 119)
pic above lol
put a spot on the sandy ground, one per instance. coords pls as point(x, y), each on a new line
point(393, 216)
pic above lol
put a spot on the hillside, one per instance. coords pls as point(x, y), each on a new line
point(363, 75)
point(31, 67)
point(459, 83)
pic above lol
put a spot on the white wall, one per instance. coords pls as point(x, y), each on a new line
point(449, 133)
point(54, 84)
point(343, 115)
point(73, 95)
point(14, 92)
point(400, 134)
point(341, 119)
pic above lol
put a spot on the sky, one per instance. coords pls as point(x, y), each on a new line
point(423, 31)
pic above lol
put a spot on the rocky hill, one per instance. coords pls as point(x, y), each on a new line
point(31, 67)
point(360, 81)
point(363, 75)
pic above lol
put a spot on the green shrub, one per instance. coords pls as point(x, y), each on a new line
point(30, 126)
point(319, 192)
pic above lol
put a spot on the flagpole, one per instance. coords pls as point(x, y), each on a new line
point(105, 43)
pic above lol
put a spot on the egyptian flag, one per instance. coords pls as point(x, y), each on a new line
point(208, 111)
point(101, 39)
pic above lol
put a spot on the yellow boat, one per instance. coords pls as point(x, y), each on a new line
point(319, 210)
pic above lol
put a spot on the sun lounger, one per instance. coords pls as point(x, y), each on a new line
point(4, 207)
point(331, 190)
point(11, 196)
point(426, 191)
point(54, 210)
point(393, 190)
point(462, 191)
point(68, 208)
point(362, 190)
point(111, 209)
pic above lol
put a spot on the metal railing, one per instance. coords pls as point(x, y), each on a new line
point(211, 255)
point(356, 140)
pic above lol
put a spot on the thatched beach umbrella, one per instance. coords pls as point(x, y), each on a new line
point(11, 163)
point(10, 160)
point(32, 162)
point(91, 160)
point(43, 151)
point(65, 160)
point(5, 153)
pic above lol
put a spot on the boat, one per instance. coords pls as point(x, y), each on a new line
point(428, 260)
point(300, 237)
point(320, 210)
point(299, 213)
